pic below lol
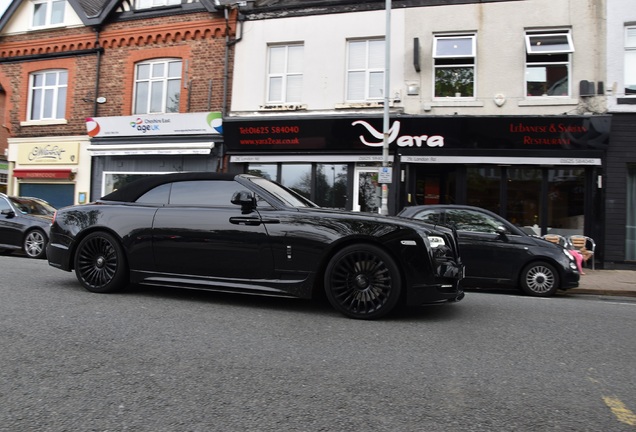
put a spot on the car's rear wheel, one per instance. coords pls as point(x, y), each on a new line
point(100, 264)
point(539, 279)
point(34, 244)
point(363, 281)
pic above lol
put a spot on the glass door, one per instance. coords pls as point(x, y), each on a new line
point(366, 189)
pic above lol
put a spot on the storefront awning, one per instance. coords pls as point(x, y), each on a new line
point(332, 158)
point(43, 173)
point(150, 149)
point(499, 160)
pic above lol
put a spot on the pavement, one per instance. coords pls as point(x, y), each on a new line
point(607, 282)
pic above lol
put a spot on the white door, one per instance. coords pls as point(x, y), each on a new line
point(366, 190)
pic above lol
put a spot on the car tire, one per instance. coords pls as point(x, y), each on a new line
point(363, 282)
point(539, 279)
point(100, 263)
point(34, 244)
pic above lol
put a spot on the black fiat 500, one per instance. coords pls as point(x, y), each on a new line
point(496, 253)
point(246, 234)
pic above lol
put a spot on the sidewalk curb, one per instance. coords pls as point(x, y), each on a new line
point(604, 292)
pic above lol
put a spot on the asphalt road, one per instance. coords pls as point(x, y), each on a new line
point(168, 360)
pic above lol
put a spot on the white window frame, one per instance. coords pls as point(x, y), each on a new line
point(164, 81)
point(149, 4)
point(367, 70)
point(48, 13)
point(539, 44)
point(287, 76)
point(440, 54)
point(49, 95)
point(630, 61)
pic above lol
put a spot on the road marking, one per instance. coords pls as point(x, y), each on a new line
point(622, 413)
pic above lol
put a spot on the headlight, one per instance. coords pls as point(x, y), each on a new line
point(568, 254)
point(436, 241)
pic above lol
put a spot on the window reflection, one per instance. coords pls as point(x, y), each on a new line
point(566, 196)
point(482, 188)
point(268, 171)
point(298, 178)
point(524, 196)
point(331, 185)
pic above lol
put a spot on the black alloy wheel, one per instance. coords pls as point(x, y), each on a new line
point(35, 244)
point(363, 282)
point(539, 279)
point(100, 265)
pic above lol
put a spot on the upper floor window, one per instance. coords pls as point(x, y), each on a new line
point(548, 63)
point(157, 86)
point(365, 70)
point(47, 94)
point(454, 63)
point(630, 61)
point(285, 74)
point(48, 12)
point(147, 4)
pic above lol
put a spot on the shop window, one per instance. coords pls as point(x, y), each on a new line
point(285, 74)
point(524, 197)
point(365, 70)
point(565, 201)
point(331, 185)
point(116, 180)
point(157, 86)
point(454, 65)
point(48, 12)
point(147, 4)
point(482, 187)
point(47, 94)
point(630, 61)
point(298, 178)
point(548, 64)
point(268, 171)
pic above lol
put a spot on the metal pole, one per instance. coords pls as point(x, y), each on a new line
point(384, 209)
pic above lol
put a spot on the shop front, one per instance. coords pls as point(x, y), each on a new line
point(124, 148)
point(55, 169)
point(543, 173)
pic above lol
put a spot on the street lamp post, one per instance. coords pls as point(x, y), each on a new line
point(384, 208)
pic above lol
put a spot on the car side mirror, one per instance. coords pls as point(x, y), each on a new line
point(8, 213)
point(245, 199)
point(502, 231)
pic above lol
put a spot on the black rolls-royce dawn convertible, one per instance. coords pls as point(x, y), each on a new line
point(246, 234)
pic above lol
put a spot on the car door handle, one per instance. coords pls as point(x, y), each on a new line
point(245, 221)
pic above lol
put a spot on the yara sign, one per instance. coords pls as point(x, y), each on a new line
point(402, 141)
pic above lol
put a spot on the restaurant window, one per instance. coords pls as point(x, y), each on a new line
point(548, 63)
point(454, 64)
point(482, 187)
point(285, 74)
point(48, 12)
point(524, 196)
point(157, 86)
point(365, 70)
point(47, 95)
point(566, 201)
point(323, 183)
point(630, 61)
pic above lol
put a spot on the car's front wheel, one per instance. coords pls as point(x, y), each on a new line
point(363, 281)
point(539, 279)
point(100, 264)
point(35, 244)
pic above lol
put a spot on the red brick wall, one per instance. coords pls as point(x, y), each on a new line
point(198, 39)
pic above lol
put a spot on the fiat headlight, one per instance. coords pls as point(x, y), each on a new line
point(436, 241)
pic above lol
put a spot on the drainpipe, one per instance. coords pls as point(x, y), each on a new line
point(97, 72)
point(229, 43)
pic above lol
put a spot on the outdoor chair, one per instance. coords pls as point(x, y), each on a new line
point(585, 245)
point(556, 239)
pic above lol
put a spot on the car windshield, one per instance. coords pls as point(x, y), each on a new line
point(287, 196)
point(32, 206)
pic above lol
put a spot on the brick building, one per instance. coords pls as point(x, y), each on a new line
point(96, 93)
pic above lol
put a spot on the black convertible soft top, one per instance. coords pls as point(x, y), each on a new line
point(133, 190)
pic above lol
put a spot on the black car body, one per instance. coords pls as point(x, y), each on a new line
point(246, 234)
point(24, 225)
point(497, 253)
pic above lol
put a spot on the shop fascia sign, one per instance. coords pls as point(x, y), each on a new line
point(402, 140)
point(159, 124)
